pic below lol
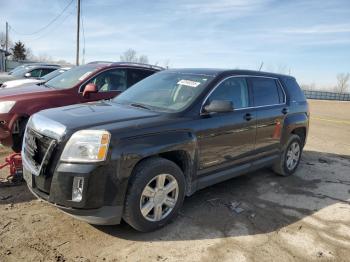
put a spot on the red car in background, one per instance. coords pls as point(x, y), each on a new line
point(86, 83)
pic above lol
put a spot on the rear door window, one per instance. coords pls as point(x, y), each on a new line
point(266, 91)
point(45, 71)
point(35, 73)
point(136, 75)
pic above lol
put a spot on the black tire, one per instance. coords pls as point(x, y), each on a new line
point(145, 172)
point(280, 167)
point(17, 139)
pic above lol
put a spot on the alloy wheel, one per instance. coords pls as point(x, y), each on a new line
point(293, 155)
point(159, 197)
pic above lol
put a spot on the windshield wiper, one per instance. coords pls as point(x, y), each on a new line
point(140, 106)
point(44, 84)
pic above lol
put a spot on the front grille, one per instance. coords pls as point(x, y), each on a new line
point(37, 149)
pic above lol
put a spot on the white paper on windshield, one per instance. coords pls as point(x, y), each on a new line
point(188, 83)
point(84, 76)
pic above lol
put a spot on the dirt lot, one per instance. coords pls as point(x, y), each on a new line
point(304, 217)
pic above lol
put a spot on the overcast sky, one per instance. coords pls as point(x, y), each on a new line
point(309, 38)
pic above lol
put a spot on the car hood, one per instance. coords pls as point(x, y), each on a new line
point(17, 93)
point(6, 77)
point(21, 82)
point(95, 115)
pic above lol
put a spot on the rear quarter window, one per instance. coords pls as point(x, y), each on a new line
point(294, 90)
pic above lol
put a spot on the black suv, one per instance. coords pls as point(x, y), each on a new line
point(137, 156)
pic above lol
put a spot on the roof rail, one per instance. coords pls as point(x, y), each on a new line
point(139, 64)
point(100, 62)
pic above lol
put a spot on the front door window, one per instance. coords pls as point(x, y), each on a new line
point(111, 80)
point(234, 89)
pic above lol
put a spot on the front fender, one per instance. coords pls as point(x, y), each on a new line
point(7, 126)
point(128, 152)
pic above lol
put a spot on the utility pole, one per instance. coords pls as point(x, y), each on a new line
point(7, 37)
point(78, 34)
point(6, 44)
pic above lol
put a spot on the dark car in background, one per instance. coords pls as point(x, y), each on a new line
point(90, 82)
point(137, 156)
point(32, 71)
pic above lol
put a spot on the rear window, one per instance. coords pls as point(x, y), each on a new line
point(294, 91)
point(266, 91)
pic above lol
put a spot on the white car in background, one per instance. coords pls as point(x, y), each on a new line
point(40, 80)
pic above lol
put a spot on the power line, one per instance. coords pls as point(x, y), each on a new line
point(46, 26)
point(53, 29)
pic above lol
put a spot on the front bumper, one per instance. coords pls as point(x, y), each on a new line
point(106, 215)
point(98, 205)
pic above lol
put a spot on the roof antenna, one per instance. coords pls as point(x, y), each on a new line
point(262, 63)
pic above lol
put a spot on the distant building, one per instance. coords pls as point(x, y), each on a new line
point(3, 55)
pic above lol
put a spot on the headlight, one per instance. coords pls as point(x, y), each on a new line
point(87, 146)
point(6, 106)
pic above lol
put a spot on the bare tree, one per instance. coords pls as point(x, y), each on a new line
point(165, 63)
point(130, 55)
point(43, 57)
point(30, 55)
point(342, 84)
point(282, 69)
point(143, 59)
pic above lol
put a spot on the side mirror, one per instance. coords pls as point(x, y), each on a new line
point(27, 75)
point(89, 89)
point(219, 106)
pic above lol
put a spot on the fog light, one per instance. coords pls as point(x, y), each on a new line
point(77, 190)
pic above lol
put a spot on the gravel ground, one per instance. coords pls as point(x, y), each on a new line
point(304, 217)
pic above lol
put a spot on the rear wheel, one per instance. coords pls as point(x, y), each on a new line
point(290, 157)
point(155, 194)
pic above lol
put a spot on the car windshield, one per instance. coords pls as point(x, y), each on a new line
point(18, 68)
point(165, 91)
point(20, 72)
point(52, 74)
point(71, 77)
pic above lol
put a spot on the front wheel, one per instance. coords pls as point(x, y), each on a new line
point(155, 194)
point(17, 139)
point(290, 157)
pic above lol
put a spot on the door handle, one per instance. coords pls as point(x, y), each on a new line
point(248, 116)
point(285, 110)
